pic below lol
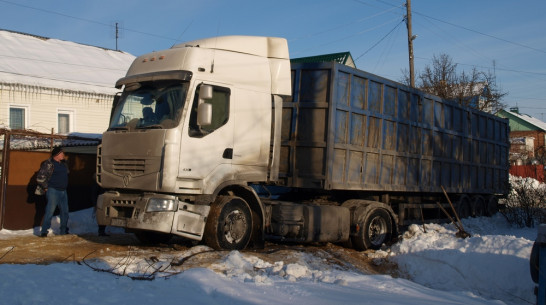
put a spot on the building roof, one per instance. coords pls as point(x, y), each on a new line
point(522, 122)
point(344, 58)
point(51, 63)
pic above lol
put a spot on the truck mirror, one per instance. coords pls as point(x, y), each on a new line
point(204, 114)
point(205, 92)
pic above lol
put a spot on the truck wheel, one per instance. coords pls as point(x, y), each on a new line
point(229, 224)
point(492, 206)
point(375, 230)
point(464, 210)
point(478, 206)
point(152, 238)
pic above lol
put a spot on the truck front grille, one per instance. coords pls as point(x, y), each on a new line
point(123, 202)
point(121, 208)
point(133, 167)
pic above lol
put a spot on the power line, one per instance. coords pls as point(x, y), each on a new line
point(387, 48)
point(496, 68)
point(470, 30)
point(529, 98)
point(344, 25)
point(484, 34)
point(54, 13)
point(86, 20)
point(368, 4)
point(350, 36)
point(380, 40)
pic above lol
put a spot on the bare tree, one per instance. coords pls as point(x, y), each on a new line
point(475, 89)
point(525, 205)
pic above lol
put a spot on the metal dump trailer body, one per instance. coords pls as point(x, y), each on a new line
point(346, 129)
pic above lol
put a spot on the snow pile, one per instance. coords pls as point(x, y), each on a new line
point(527, 182)
point(248, 268)
point(492, 263)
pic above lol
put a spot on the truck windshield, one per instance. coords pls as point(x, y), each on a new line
point(149, 105)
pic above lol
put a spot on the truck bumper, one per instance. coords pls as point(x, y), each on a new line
point(129, 211)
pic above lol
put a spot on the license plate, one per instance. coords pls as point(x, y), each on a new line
point(118, 222)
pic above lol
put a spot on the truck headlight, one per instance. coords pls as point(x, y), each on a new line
point(161, 205)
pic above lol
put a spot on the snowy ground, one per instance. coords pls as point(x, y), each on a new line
point(491, 267)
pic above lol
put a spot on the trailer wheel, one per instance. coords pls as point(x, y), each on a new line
point(464, 210)
point(152, 238)
point(478, 206)
point(229, 224)
point(492, 206)
point(375, 230)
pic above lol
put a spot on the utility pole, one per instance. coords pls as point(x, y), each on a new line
point(117, 36)
point(411, 37)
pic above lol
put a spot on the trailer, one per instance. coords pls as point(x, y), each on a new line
point(352, 131)
point(243, 147)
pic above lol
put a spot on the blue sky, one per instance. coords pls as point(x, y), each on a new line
point(504, 36)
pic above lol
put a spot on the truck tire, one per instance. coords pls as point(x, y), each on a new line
point(229, 224)
point(492, 206)
point(478, 206)
point(152, 238)
point(463, 207)
point(375, 230)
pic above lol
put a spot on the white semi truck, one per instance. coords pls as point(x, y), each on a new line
point(224, 140)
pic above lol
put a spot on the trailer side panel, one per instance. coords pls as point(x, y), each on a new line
point(346, 129)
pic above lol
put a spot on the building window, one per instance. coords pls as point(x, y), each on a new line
point(64, 121)
point(17, 117)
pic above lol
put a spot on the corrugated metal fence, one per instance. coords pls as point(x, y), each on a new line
point(532, 171)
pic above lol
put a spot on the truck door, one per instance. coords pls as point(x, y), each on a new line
point(207, 150)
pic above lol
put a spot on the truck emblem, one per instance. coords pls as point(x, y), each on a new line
point(126, 180)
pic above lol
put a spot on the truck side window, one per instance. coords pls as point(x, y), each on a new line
point(220, 112)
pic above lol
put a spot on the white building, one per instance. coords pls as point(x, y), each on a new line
point(53, 85)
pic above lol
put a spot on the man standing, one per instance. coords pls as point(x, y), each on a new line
point(53, 179)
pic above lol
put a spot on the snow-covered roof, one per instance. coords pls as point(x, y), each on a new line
point(529, 119)
point(51, 63)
